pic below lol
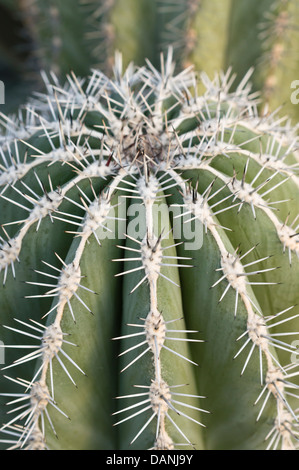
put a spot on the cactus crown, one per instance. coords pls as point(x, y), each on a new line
point(177, 220)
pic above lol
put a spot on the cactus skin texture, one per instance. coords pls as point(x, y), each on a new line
point(149, 240)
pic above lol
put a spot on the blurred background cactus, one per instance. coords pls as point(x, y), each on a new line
point(149, 225)
point(80, 34)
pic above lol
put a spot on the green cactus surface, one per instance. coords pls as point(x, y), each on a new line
point(149, 264)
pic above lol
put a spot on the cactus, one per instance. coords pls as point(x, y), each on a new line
point(149, 230)
point(149, 266)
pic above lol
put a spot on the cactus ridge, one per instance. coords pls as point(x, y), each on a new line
point(70, 159)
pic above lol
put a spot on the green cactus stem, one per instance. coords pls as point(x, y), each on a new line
point(149, 264)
